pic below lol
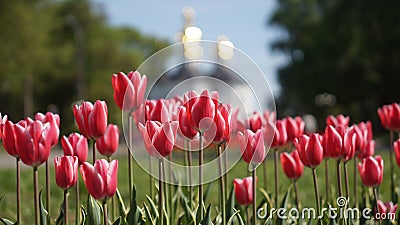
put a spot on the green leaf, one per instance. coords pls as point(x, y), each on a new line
point(284, 202)
point(207, 218)
point(232, 217)
point(188, 213)
point(94, 211)
point(44, 215)
point(83, 215)
point(153, 207)
point(117, 222)
point(230, 205)
point(134, 216)
point(7, 222)
point(121, 205)
point(60, 218)
point(207, 192)
point(148, 215)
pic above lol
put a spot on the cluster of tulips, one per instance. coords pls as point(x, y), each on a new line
point(195, 119)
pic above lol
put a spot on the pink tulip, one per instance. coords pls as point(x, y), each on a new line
point(33, 142)
point(388, 207)
point(66, 169)
point(294, 127)
point(371, 171)
point(269, 116)
point(396, 148)
point(202, 110)
point(390, 116)
point(91, 119)
point(100, 179)
point(310, 149)
point(185, 128)
point(75, 145)
point(156, 110)
point(128, 90)
point(292, 165)
point(108, 143)
point(222, 131)
point(368, 150)
point(3, 121)
point(54, 120)
point(244, 190)
point(276, 132)
point(159, 139)
point(9, 139)
point(338, 120)
point(255, 121)
point(252, 146)
point(236, 123)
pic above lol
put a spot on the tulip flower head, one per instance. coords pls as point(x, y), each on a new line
point(128, 90)
point(108, 143)
point(156, 110)
point(75, 145)
point(368, 150)
point(54, 120)
point(276, 132)
point(292, 165)
point(185, 129)
point(33, 141)
point(9, 139)
point(159, 139)
point(220, 132)
point(255, 121)
point(294, 127)
point(3, 120)
point(252, 147)
point(371, 171)
point(244, 190)
point(338, 120)
point(390, 116)
point(91, 119)
point(66, 169)
point(202, 109)
point(310, 149)
point(388, 207)
point(100, 179)
point(396, 148)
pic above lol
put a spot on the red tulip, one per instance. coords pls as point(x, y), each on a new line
point(128, 90)
point(294, 127)
point(108, 143)
point(91, 119)
point(9, 139)
point(3, 121)
point(156, 110)
point(202, 110)
point(368, 150)
point(159, 139)
point(349, 144)
point(292, 165)
point(310, 149)
point(276, 132)
point(222, 131)
point(185, 128)
point(66, 169)
point(371, 171)
point(33, 142)
point(75, 145)
point(236, 123)
point(174, 104)
point(390, 116)
point(388, 207)
point(338, 120)
point(396, 148)
point(269, 116)
point(255, 121)
point(54, 120)
point(244, 190)
point(101, 179)
point(252, 146)
point(339, 142)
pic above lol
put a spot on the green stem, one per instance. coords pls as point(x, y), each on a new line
point(189, 156)
point(316, 191)
point(94, 150)
point(254, 198)
point(105, 213)
point(355, 181)
point(327, 180)
point(18, 190)
point(201, 175)
point(47, 188)
point(376, 202)
point(346, 179)
point(221, 185)
point(36, 195)
point(66, 207)
point(265, 170)
point(77, 208)
point(170, 190)
point(160, 191)
point(130, 146)
point(112, 198)
point(150, 177)
point(339, 178)
point(276, 155)
point(296, 195)
point(391, 166)
point(247, 215)
point(225, 169)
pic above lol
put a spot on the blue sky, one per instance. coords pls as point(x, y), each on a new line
point(245, 24)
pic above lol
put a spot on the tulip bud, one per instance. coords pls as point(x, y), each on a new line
point(244, 190)
point(91, 119)
point(396, 148)
point(292, 165)
point(128, 90)
point(75, 145)
point(66, 169)
point(252, 146)
point(255, 121)
point(294, 127)
point(339, 120)
point(310, 149)
point(108, 143)
point(100, 179)
point(371, 171)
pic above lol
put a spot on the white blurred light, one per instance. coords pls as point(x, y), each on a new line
point(192, 34)
point(225, 50)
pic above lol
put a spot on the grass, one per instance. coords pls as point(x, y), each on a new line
point(141, 180)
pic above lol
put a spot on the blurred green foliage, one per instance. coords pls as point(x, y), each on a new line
point(350, 49)
point(42, 44)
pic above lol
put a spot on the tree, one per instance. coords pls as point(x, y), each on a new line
point(347, 49)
